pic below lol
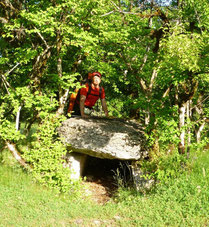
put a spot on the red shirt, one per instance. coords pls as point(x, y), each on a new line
point(93, 96)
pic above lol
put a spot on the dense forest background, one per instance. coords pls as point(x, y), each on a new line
point(153, 55)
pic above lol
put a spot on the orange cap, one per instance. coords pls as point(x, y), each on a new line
point(91, 75)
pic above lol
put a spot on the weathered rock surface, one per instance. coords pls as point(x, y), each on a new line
point(104, 138)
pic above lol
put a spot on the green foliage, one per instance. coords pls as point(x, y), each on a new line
point(8, 132)
point(164, 167)
point(182, 51)
point(46, 156)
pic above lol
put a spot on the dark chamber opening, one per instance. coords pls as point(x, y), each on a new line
point(108, 171)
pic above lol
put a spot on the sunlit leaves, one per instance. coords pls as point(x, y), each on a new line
point(182, 51)
point(24, 55)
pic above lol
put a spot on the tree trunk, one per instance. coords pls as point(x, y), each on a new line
point(188, 121)
point(182, 110)
point(198, 132)
point(202, 121)
point(147, 117)
point(18, 118)
point(13, 149)
point(62, 101)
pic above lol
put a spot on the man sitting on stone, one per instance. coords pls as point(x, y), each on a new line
point(88, 96)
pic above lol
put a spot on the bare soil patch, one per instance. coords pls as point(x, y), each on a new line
point(100, 190)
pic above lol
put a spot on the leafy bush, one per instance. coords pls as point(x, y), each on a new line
point(46, 156)
point(165, 167)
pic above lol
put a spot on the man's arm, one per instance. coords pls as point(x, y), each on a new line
point(82, 101)
point(104, 107)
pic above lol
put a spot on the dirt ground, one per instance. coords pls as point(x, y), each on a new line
point(100, 190)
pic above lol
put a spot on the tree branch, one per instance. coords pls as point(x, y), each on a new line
point(154, 75)
point(106, 14)
point(158, 12)
point(13, 149)
point(42, 38)
point(5, 82)
point(3, 20)
point(200, 103)
point(8, 72)
point(167, 91)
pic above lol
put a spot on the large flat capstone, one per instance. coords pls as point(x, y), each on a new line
point(104, 138)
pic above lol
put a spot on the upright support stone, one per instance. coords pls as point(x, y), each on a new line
point(141, 179)
point(76, 163)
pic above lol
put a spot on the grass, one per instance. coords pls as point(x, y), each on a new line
point(181, 202)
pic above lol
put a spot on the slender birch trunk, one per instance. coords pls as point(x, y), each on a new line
point(18, 118)
point(182, 111)
point(198, 133)
point(188, 108)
